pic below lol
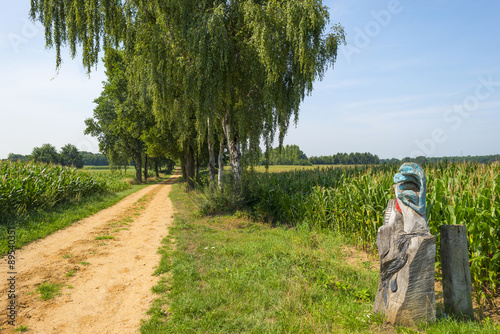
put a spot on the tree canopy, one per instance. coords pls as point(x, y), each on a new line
point(286, 155)
point(231, 71)
point(70, 156)
point(47, 153)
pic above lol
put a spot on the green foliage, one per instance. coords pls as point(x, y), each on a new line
point(118, 121)
point(46, 154)
point(26, 187)
point(352, 201)
point(94, 159)
point(18, 157)
point(242, 66)
point(466, 194)
point(70, 156)
point(286, 155)
point(38, 224)
point(346, 159)
point(456, 159)
point(229, 274)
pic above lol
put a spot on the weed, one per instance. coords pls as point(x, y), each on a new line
point(104, 237)
point(21, 328)
point(70, 273)
point(48, 290)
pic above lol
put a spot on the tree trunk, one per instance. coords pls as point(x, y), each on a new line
point(211, 158)
point(138, 168)
point(221, 164)
point(157, 172)
point(145, 168)
point(196, 166)
point(233, 146)
point(189, 162)
point(183, 168)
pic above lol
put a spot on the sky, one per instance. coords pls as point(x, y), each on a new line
point(416, 78)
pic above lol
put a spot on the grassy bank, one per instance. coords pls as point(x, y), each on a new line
point(229, 274)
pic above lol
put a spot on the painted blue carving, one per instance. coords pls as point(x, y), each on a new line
point(412, 186)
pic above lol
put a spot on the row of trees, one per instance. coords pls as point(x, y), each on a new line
point(68, 154)
point(346, 159)
point(194, 78)
point(423, 160)
point(94, 159)
point(286, 155)
point(47, 153)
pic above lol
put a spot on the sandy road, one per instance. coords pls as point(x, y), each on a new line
point(105, 283)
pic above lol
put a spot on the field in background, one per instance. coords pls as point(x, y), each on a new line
point(288, 168)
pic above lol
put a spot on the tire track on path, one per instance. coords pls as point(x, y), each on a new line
point(105, 282)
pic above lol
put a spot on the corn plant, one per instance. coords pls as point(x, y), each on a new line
point(353, 201)
point(25, 187)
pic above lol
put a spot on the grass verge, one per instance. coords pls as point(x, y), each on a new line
point(229, 274)
point(39, 224)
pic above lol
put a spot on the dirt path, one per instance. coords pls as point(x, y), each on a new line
point(104, 265)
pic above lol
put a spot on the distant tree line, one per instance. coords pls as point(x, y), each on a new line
point(483, 159)
point(94, 159)
point(346, 159)
point(69, 156)
point(286, 155)
point(47, 153)
point(293, 155)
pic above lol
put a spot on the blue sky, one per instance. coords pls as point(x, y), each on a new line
point(415, 78)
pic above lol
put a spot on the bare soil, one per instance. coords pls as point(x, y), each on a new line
point(104, 265)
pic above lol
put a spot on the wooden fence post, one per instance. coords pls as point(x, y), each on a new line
point(457, 288)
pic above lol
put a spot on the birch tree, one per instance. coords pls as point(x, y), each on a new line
point(245, 65)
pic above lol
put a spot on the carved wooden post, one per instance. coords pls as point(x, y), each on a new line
point(407, 252)
point(457, 287)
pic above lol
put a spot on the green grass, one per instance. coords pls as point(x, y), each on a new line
point(48, 290)
point(21, 329)
point(70, 273)
point(104, 237)
point(352, 201)
point(228, 274)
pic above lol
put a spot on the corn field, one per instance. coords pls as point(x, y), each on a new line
point(25, 187)
point(352, 201)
